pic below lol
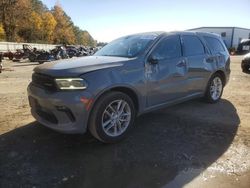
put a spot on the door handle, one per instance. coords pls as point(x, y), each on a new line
point(182, 63)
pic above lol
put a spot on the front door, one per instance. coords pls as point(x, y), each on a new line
point(166, 72)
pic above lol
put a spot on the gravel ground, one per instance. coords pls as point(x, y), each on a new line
point(193, 144)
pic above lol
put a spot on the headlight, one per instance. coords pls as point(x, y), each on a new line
point(71, 83)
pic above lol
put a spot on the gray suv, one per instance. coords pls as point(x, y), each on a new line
point(131, 75)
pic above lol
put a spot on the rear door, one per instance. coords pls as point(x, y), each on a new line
point(196, 56)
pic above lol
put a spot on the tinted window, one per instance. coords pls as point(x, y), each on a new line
point(214, 45)
point(168, 48)
point(192, 46)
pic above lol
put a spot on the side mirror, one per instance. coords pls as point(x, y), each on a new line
point(153, 60)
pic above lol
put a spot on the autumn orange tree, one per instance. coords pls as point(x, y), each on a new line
point(32, 21)
point(83, 37)
point(2, 33)
point(64, 32)
point(7, 18)
point(48, 27)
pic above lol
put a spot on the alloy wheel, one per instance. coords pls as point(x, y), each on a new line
point(116, 118)
point(216, 88)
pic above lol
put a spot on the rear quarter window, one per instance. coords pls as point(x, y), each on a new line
point(214, 45)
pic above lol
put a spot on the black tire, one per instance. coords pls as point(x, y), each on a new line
point(246, 69)
point(96, 117)
point(208, 95)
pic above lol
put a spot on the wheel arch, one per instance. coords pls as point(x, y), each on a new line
point(131, 93)
point(222, 74)
point(124, 89)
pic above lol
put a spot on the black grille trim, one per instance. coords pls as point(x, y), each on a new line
point(44, 81)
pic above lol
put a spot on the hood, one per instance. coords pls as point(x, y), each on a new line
point(77, 66)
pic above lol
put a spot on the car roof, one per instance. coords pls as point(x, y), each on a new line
point(155, 33)
point(158, 33)
point(196, 33)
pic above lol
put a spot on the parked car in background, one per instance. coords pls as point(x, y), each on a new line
point(245, 64)
point(130, 76)
point(244, 46)
point(73, 51)
point(8, 54)
point(45, 56)
point(27, 52)
point(59, 52)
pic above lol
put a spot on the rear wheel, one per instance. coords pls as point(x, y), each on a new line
point(214, 89)
point(112, 117)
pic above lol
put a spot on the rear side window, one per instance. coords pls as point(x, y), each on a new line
point(168, 48)
point(192, 46)
point(214, 45)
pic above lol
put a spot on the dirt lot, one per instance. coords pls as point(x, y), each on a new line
point(192, 144)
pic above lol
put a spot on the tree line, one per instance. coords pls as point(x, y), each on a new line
point(32, 21)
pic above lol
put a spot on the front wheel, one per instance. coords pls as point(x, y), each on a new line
point(214, 89)
point(112, 117)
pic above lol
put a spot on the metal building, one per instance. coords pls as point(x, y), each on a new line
point(232, 36)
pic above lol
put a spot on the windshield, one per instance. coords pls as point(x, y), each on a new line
point(130, 46)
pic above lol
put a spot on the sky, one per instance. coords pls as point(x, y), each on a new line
point(107, 20)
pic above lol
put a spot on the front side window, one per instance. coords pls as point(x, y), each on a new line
point(129, 46)
point(192, 45)
point(214, 45)
point(168, 48)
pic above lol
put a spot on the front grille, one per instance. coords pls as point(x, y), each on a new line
point(43, 81)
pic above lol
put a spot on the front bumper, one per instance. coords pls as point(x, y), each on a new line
point(62, 111)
